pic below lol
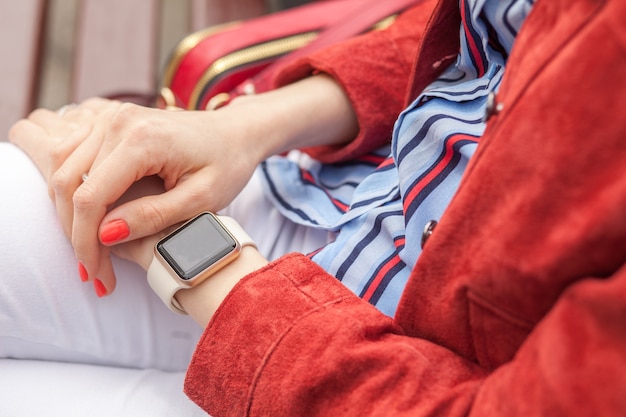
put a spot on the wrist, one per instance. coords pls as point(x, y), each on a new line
point(206, 247)
point(202, 301)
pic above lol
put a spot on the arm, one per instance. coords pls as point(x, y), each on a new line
point(374, 70)
point(118, 144)
point(190, 151)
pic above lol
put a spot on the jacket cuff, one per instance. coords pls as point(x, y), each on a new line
point(236, 345)
point(376, 104)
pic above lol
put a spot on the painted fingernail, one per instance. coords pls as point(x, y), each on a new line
point(101, 290)
point(114, 231)
point(82, 271)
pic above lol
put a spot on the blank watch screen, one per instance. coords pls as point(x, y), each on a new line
point(196, 246)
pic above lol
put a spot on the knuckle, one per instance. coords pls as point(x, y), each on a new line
point(201, 198)
point(99, 105)
point(129, 125)
point(127, 119)
point(78, 114)
point(123, 115)
point(86, 113)
point(58, 154)
point(60, 182)
point(15, 132)
point(85, 198)
point(37, 113)
point(154, 218)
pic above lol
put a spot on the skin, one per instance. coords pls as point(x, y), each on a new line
point(124, 146)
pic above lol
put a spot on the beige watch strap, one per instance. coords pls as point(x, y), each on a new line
point(166, 285)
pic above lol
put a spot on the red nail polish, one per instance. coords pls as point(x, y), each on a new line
point(101, 290)
point(82, 271)
point(114, 231)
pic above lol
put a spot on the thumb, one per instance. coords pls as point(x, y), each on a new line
point(145, 210)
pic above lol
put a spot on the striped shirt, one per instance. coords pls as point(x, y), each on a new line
point(378, 205)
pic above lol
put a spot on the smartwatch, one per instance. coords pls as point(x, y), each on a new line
point(192, 253)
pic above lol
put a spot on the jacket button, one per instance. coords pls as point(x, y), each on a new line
point(493, 107)
point(428, 230)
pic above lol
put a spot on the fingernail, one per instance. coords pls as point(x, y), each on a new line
point(114, 231)
point(82, 271)
point(101, 290)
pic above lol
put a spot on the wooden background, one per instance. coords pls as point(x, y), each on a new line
point(54, 52)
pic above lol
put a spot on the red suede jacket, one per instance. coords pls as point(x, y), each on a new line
point(517, 306)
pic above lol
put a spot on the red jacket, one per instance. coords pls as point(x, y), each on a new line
point(517, 306)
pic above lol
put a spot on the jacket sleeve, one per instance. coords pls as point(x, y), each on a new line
point(374, 69)
point(292, 341)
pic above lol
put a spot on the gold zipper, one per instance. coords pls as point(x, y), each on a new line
point(253, 53)
point(385, 23)
point(230, 61)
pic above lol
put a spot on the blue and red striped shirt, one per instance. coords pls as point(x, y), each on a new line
point(378, 205)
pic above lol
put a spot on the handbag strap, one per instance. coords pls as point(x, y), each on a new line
point(364, 15)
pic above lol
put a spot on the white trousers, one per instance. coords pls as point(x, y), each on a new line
point(65, 352)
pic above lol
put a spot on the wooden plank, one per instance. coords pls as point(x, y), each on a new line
point(58, 49)
point(21, 25)
point(117, 48)
point(206, 13)
point(174, 26)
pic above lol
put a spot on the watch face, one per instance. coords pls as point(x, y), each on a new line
point(196, 246)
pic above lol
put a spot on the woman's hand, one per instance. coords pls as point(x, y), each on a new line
point(202, 163)
point(52, 138)
point(204, 160)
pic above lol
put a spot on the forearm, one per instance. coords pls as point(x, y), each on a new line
point(374, 70)
point(312, 112)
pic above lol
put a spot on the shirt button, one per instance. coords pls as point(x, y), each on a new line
point(493, 107)
point(428, 230)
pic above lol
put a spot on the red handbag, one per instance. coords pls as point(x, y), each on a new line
point(209, 68)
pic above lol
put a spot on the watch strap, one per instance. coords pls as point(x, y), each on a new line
point(165, 285)
point(237, 231)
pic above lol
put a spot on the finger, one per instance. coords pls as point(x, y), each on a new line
point(35, 141)
point(119, 120)
point(137, 217)
point(114, 230)
point(64, 183)
point(107, 182)
point(104, 281)
point(75, 156)
point(86, 205)
point(49, 120)
point(96, 104)
point(139, 251)
point(48, 139)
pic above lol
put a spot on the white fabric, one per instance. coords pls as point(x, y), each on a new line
point(32, 389)
point(124, 354)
